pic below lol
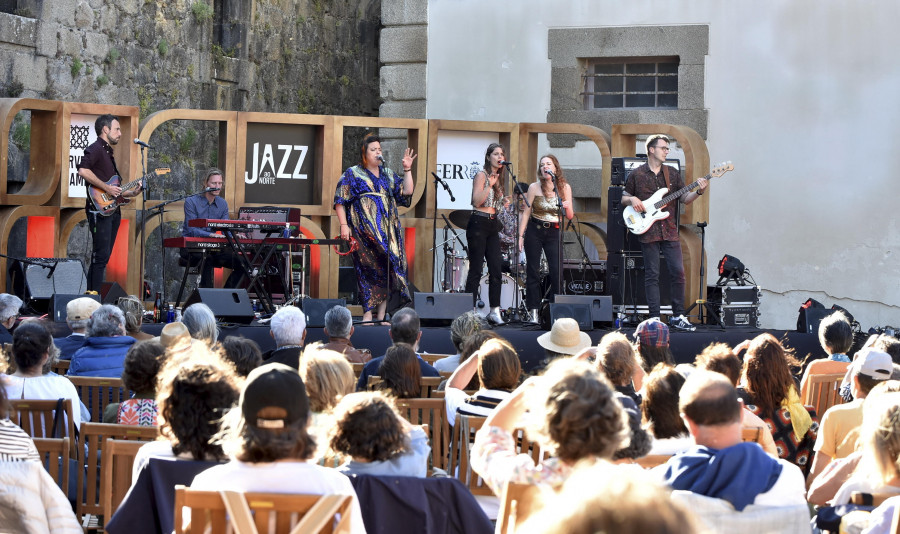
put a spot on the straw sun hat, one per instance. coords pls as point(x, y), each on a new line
point(565, 337)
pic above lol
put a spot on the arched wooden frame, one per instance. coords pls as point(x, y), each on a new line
point(8, 217)
point(528, 156)
point(45, 157)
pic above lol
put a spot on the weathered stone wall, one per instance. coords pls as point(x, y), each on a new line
point(285, 56)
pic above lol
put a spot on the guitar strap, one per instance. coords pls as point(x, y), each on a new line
point(665, 170)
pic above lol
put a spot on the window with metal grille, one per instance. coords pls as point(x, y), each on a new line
point(631, 83)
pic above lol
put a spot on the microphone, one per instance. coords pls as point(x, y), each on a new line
point(381, 159)
point(143, 144)
point(506, 163)
point(211, 189)
point(446, 187)
point(551, 174)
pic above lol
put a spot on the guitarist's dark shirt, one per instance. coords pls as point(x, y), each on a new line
point(642, 183)
point(99, 159)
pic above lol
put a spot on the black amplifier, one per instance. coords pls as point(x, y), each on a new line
point(584, 279)
point(746, 295)
point(747, 316)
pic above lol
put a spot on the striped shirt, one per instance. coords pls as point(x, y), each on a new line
point(481, 404)
point(15, 444)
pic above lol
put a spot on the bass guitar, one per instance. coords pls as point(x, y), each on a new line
point(639, 222)
point(106, 204)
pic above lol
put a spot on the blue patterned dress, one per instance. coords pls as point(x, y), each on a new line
point(371, 205)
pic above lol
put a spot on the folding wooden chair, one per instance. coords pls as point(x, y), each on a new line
point(427, 383)
point(97, 392)
point(652, 460)
point(357, 369)
point(288, 513)
point(61, 367)
point(823, 391)
point(429, 412)
point(36, 417)
point(55, 457)
point(115, 472)
point(431, 358)
point(461, 438)
point(516, 505)
point(752, 433)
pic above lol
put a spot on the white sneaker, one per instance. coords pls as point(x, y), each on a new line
point(681, 323)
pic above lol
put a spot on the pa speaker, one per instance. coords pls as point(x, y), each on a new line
point(600, 306)
point(111, 292)
point(580, 312)
point(315, 310)
point(228, 305)
point(809, 319)
point(36, 283)
point(441, 307)
point(625, 280)
point(59, 302)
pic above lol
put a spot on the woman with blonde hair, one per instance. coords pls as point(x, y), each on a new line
point(133, 309)
point(328, 377)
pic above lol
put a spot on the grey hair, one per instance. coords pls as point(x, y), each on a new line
point(288, 325)
point(338, 322)
point(464, 326)
point(133, 309)
point(201, 322)
point(9, 306)
point(106, 321)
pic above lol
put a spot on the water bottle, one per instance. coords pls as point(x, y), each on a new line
point(170, 315)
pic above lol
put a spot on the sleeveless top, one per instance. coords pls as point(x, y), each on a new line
point(544, 209)
point(492, 200)
point(139, 412)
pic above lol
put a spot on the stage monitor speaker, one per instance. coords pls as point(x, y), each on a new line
point(625, 280)
point(601, 306)
point(618, 238)
point(228, 305)
point(315, 310)
point(111, 292)
point(581, 278)
point(58, 304)
point(809, 319)
point(441, 308)
point(35, 284)
point(580, 312)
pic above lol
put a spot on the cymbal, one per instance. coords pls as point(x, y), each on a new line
point(460, 217)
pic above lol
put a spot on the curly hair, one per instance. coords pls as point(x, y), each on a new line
point(464, 327)
point(660, 405)
point(767, 370)
point(243, 353)
point(583, 417)
point(719, 358)
point(615, 356)
point(327, 375)
point(31, 343)
point(106, 321)
point(133, 309)
point(143, 361)
point(195, 388)
point(498, 365)
point(400, 372)
point(368, 427)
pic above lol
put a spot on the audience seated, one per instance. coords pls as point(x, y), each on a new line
point(836, 338)
point(328, 376)
point(839, 428)
point(604, 498)
point(574, 414)
point(652, 339)
point(288, 329)
point(719, 358)
point(201, 323)
point(15, 444)
point(78, 313)
point(243, 353)
point(660, 409)
point(142, 363)
point(266, 438)
point(400, 372)
point(405, 328)
point(720, 465)
point(460, 329)
point(564, 339)
point(376, 439)
point(339, 329)
point(9, 312)
point(616, 358)
point(31, 347)
point(498, 368)
point(133, 309)
point(771, 393)
point(103, 352)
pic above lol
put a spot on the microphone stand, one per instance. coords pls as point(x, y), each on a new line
point(559, 244)
point(144, 198)
point(515, 315)
point(437, 180)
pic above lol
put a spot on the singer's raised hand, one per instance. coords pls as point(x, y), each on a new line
point(408, 157)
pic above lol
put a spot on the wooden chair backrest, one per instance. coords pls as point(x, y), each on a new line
point(357, 368)
point(431, 358)
point(285, 511)
point(115, 472)
point(93, 439)
point(35, 417)
point(518, 502)
point(652, 460)
point(751, 433)
point(461, 437)
point(55, 457)
point(823, 391)
point(428, 383)
point(97, 392)
point(445, 375)
point(60, 367)
point(429, 412)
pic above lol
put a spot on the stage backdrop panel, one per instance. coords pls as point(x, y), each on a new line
point(279, 166)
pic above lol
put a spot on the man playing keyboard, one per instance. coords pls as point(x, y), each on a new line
point(210, 205)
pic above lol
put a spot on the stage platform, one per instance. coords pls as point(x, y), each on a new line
point(685, 345)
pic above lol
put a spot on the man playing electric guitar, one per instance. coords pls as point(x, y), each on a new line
point(662, 237)
point(96, 168)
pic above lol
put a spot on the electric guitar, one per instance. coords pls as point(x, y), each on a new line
point(639, 222)
point(106, 204)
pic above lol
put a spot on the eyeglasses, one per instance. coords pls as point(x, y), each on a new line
point(661, 148)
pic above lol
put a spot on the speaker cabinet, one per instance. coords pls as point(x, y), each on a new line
point(625, 281)
point(228, 305)
point(111, 292)
point(315, 310)
point(441, 308)
point(809, 319)
point(580, 312)
point(59, 302)
point(35, 284)
point(601, 306)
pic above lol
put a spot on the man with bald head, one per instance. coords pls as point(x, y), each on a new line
point(720, 464)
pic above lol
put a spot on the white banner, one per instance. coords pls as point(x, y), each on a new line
point(460, 155)
point(81, 135)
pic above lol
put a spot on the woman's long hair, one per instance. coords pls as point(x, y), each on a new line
point(768, 373)
point(660, 406)
point(400, 372)
point(499, 190)
point(561, 182)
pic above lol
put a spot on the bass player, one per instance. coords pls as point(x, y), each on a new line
point(662, 237)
